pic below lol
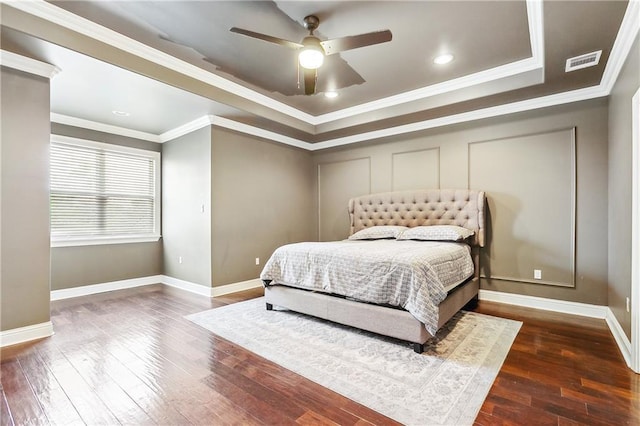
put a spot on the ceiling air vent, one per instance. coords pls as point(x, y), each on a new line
point(583, 61)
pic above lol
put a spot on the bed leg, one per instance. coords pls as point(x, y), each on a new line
point(418, 348)
point(471, 304)
point(269, 307)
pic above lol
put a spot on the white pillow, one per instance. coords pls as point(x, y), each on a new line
point(378, 233)
point(436, 233)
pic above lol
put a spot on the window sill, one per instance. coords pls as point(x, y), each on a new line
point(99, 241)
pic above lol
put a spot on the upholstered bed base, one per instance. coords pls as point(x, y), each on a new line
point(396, 323)
point(461, 207)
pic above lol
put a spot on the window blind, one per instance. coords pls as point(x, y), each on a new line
point(99, 193)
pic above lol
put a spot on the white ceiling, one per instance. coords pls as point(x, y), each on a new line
point(155, 107)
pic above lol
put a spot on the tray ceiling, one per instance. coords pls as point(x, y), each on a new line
point(169, 63)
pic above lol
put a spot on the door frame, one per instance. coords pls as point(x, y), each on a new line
point(635, 239)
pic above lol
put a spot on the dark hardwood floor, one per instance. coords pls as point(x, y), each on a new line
point(130, 357)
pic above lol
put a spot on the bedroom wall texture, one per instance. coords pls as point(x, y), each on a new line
point(620, 155)
point(85, 265)
point(337, 182)
point(483, 153)
point(540, 190)
point(24, 200)
point(262, 198)
point(186, 207)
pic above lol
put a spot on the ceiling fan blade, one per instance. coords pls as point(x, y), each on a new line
point(342, 44)
point(310, 77)
point(268, 38)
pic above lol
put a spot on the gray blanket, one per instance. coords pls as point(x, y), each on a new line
point(413, 275)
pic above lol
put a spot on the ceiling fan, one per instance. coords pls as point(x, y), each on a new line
point(313, 50)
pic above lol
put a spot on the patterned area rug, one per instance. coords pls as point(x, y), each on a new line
point(446, 385)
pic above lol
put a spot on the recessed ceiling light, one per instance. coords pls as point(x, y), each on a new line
point(331, 94)
point(443, 59)
point(121, 113)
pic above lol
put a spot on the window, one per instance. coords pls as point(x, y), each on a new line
point(103, 193)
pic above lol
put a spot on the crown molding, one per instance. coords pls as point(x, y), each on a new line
point(622, 45)
point(225, 123)
point(29, 65)
point(624, 40)
point(522, 67)
point(261, 133)
point(503, 72)
point(65, 19)
point(185, 129)
point(59, 16)
point(496, 111)
point(212, 120)
point(102, 127)
point(536, 29)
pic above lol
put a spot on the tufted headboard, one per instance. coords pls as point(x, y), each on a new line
point(462, 207)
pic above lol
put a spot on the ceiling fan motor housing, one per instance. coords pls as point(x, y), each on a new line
point(311, 22)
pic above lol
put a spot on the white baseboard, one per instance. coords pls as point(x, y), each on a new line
point(11, 337)
point(562, 306)
point(200, 289)
point(86, 290)
point(24, 334)
point(240, 286)
point(566, 307)
point(211, 291)
point(155, 279)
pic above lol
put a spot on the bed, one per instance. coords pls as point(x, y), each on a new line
point(400, 273)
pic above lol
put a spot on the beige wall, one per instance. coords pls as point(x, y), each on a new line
point(531, 183)
point(24, 200)
point(490, 152)
point(83, 265)
point(262, 197)
point(338, 181)
point(227, 199)
point(186, 207)
point(619, 267)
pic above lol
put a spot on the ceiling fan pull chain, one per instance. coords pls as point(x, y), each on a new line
point(298, 72)
point(315, 83)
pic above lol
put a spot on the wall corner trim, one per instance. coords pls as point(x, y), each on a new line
point(620, 337)
point(25, 334)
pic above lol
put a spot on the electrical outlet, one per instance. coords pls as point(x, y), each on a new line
point(179, 259)
point(628, 307)
point(537, 274)
point(257, 260)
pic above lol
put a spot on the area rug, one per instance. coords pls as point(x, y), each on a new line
point(446, 385)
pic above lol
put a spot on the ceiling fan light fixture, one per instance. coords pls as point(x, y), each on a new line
point(311, 58)
point(312, 55)
point(445, 58)
point(311, 51)
point(331, 94)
